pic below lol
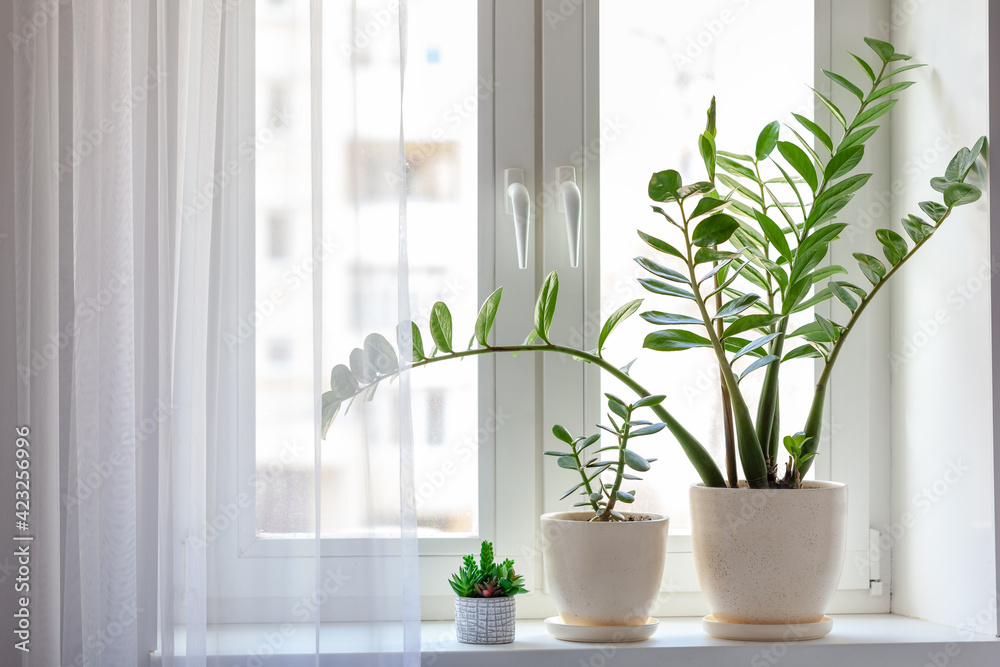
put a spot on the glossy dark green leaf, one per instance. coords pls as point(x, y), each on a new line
point(664, 272)
point(636, 462)
point(712, 255)
point(826, 272)
point(893, 245)
point(890, 89)
point(660, 245)
point(978, 148)
point(916, 228)
point(774, 234)
point(857, 138)
point(826, 210)
point(816, 130)
point(487, 314)
point(736, 306)
point(940, 184)
point(793, 296)
point(742, 190)
point(833, 108)
point(671, 340)
point(847, 186)
point(562, 434)
point(663, 185)
point(953, 172)
point(813, 248)
point(819, 297)
point(754, 345)
point(736, 156)
point(800, 162)
point(666, 216)
point(714, 230)
point(812, 331)
point(807, 147)
point(845, 84)
point(748, 322)
point(343, 384)
point(843, 295)
point(706, 205)
point(959, 194)
point(736, 169)
point(545, 306)
point(843, 162)
point(660, 287)
point(617, 318)
point(758, 364)
point(698, 188)
point(872, 113)
point(865, 67)
point(802, 351)
point(440, 326)
point(767, 139)
point(827, 327)
point(882, 49)
point(668, 319)
point(873, 269)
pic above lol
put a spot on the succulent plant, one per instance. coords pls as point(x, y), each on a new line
point(486, 579)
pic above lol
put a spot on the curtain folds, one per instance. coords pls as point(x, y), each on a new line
point(132, 227)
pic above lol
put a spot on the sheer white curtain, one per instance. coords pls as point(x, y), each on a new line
point(130, 227)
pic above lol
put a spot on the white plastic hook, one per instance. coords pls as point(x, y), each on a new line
point(519, 204)
point(570, 203)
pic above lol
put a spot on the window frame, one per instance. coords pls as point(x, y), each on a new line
point(538, 144)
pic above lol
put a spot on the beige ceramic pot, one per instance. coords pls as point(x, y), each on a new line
point(604, 573)
point(769, 556)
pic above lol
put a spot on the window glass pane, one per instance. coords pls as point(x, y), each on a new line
point(359, 253)
point(660, 65)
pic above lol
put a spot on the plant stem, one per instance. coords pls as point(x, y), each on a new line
point(622, 442)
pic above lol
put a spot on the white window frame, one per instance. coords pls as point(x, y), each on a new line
point(543, 127)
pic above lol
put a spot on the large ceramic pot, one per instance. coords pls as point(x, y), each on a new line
point(769, 556)
point(484, 620)
point(605, 573)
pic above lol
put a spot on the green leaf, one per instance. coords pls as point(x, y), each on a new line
point(545, 307)
point(668, 319)
point(827, 327)
point(562, 434)
point(571, 490)
point(940, 184)
point(890, 89)
point(654, 399)
point(800, 162)
point(648, 430)
point(753, 345)
point(488, 313)
point(662, 246)
point(767, 139)
point(658, 269)
point(748, 322)
point(663, 185)
point(615, 319)
point(816, 130)
point(671, 340)
point(844, 187)
point(819, 297)
point(916, 228)
point(625, 496)
point(826, 272)
point(331, 406)
point(837, 114)
point(736, 306)
point(657, 209)
point(617, 407)
point(440, 325)
point(737, 169)
point(843, 162)
point(568, 462)
point(954, 170)
point(857, 138)
point(759, 363)
point(905, 68)
point(845, 84)
point(865, 67)
point(774, 234)
point(736, 156)
point(698, 188)
point(871, 113)
point(712, 255)
point(636, 462)
point(959, 194)
point(802, 351)
point(893, 245)
point(873, 269)
point(977, 149)
point(882, 49)
point(706, 205)
point(714, 230)
point(660, 287)
point(845, 297)
point(739, 187)
point(343, 384)
point(417, 339)
point(706, 146)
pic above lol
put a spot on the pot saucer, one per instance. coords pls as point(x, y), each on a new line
point(788, 632)
point(600, 633)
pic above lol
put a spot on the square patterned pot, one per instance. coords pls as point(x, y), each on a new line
point(484, 620)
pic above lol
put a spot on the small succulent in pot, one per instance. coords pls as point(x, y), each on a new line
point(484, 606)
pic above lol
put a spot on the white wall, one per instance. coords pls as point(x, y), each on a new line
point(944, 545)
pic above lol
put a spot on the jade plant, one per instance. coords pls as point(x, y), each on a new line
point(601, 495)
point(750, 240)
point(486, 579)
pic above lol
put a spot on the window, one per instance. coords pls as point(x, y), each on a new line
point(480, 100)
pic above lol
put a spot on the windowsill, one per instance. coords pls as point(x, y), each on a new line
point(884, 640)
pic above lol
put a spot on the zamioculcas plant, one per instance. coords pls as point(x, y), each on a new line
point(486, 579)
point(751, 240)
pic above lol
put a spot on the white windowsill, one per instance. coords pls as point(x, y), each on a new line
point(882, 640)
